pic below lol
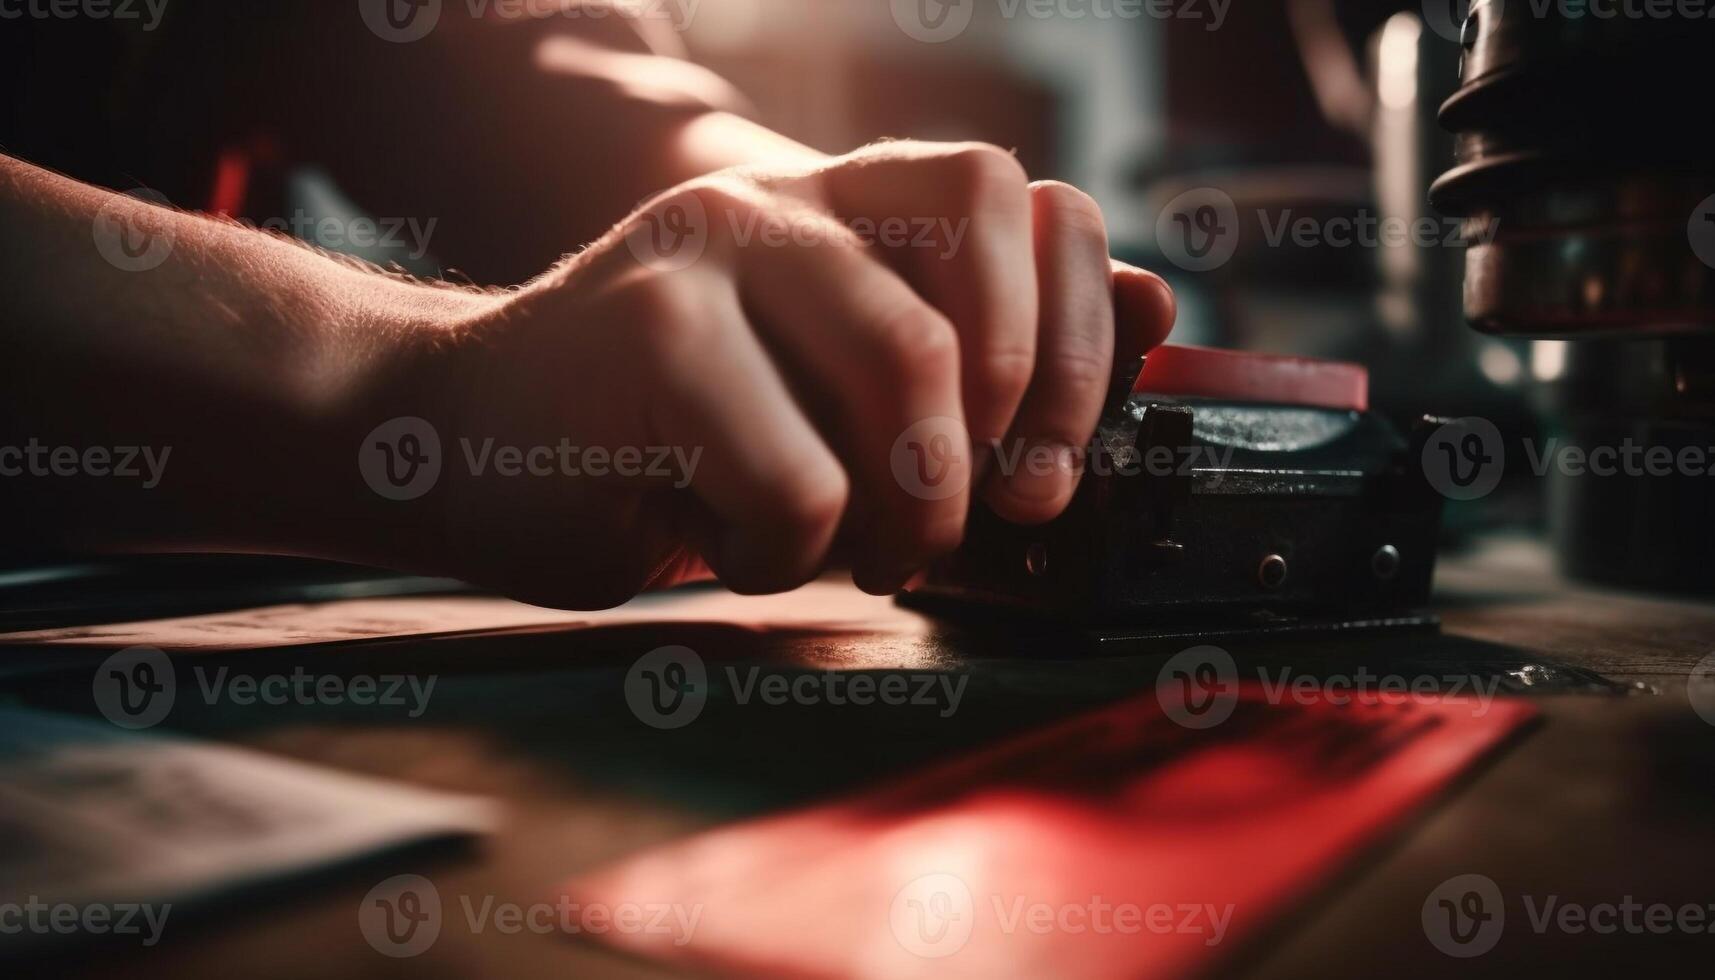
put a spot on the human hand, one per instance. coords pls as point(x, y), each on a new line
point(790, 344)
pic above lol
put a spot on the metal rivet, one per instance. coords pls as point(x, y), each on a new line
point(1385, 562)
point(1036, 559)
point(1271, 572)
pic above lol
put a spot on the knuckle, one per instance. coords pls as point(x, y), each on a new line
point(816, 499)
point(1080, 371)
point(665, 315)
point(917, 342)
point(986, 169)
point(827, 230)
point(718, 204)
point(1007, 371)
point(1073, 211)
point(722, 193)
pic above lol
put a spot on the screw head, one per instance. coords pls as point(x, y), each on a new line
point(1385, 562)
point(1271, 572)
point(1036, 559)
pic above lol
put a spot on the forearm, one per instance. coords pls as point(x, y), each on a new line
point(222, 361)
point(234, 370)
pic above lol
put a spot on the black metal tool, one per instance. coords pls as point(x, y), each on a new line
point(1216, 515)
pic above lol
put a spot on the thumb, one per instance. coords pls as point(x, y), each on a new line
point(1144, 311)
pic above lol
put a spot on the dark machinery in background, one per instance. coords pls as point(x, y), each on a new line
point(1584, 145)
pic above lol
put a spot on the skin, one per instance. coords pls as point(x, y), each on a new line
point(792, 370)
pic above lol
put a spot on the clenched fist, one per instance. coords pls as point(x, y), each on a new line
point(841, 352)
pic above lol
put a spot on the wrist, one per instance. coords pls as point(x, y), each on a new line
point(376, 448)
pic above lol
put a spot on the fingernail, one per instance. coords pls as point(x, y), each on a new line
point(883, 576)
point(1043, 472)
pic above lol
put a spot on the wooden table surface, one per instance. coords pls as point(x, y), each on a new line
point(1611, 798)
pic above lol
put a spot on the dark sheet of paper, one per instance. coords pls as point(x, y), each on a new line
point(98, 817)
